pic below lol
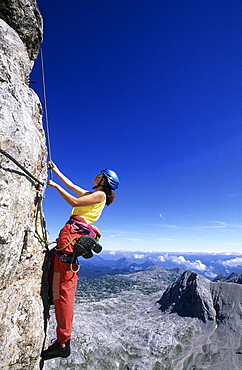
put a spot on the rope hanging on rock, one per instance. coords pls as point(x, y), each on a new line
point(39, 185)
point(47, 134)
point(45, 109)
point(22, 168)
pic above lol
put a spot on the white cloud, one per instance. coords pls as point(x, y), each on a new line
point(221, 223)
point(214, 225)
point(234, 262)
point(210, 274)
point(171, 227)
point(180, 260)
point(115, 235)
point(139, 256)
point(197, 265)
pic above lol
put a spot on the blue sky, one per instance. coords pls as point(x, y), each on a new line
point(151, 89)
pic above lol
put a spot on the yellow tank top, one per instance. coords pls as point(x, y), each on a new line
point(89, 213)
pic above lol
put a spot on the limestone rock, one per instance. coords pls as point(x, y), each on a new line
point(235, 277)
point(220, 277)
point(221, 348)
point(189, 296)
point(226, 300)
point(23, 267)
point(24, 17)
point(218, 342)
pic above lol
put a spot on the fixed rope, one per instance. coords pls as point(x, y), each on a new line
point(39, 198)
point(39, 215)
point(45, 109)
point(47, 131)
point(22, 167)
point(40, 185)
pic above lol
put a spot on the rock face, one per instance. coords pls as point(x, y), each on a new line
point(189, 296)
point(24, 17)
point(22, 253)
point(235, 277)
point(218, 343)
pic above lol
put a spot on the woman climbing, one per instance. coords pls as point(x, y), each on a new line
point(87, 209)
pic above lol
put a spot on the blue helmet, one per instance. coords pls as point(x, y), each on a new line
point(112, 178)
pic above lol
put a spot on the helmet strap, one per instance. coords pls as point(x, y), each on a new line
point(103, 186)
point(99, 184)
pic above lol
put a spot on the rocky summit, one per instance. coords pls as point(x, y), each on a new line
point(218, 342)
point(189, 296)
point(118, 324)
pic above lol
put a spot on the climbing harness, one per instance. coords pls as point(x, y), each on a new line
point(79, 225)
point(85, 244)
point(82, 248)
point(60, 249)
point(70, 258)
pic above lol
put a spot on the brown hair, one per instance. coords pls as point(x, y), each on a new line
point(110, 195)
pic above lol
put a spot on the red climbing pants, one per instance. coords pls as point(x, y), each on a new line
point(64, 289)
point(65, 281)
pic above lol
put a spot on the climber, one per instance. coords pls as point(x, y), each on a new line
point(87, 208)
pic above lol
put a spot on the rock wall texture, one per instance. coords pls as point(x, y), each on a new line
point(189, 296)
point(22, 254)
point(218, 341)
point(24, 17)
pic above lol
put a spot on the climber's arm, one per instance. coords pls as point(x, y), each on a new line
point(85, 200)
point(67, 182)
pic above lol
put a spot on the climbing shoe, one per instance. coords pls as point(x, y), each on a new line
point(80, 250)
point(55, 350)
point(90, 243)
point(85, 245)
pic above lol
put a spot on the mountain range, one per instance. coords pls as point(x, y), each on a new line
point(122, 262)
point(154, 319)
